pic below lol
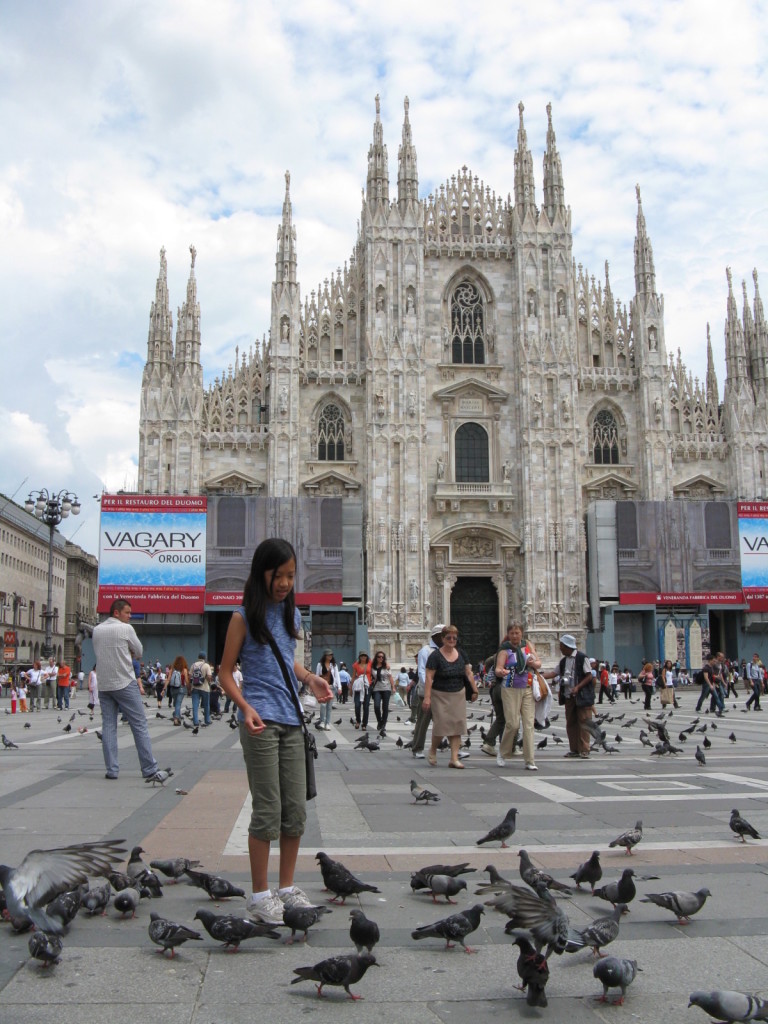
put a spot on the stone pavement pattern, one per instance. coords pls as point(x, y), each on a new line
point(52, 792)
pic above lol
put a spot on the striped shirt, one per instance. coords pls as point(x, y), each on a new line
point(115, 644)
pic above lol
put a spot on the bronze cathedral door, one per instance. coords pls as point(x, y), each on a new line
point(475, 613)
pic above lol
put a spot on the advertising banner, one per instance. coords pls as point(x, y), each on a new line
point(152, 552)
point(753, 548)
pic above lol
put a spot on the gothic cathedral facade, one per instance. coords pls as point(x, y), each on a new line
point(472, 386)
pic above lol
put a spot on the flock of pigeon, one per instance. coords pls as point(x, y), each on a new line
point(50, 887)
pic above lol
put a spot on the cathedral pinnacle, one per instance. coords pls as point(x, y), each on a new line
point(285, 261)
point(645, 274)
point(524, 184)
point(407, 175)
point(378, 164)
point(160, 337)
point(735, 350)
point(188, 325)
point(554, 189)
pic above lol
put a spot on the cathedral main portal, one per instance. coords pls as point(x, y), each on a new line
point(475, 612)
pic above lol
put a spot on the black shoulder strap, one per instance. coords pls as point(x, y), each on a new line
point(287, 679)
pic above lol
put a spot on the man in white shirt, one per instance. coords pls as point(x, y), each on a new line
point(116, 645)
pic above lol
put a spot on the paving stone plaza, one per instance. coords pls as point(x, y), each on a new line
point(53, 793)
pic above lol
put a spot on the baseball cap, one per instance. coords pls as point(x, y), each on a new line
point(437, 629)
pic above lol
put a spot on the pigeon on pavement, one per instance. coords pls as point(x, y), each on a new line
point(535, 877)
point(337, 970)
point(9, 744)
point(629, 838)
point(423, 796)
point(174, 868)
point(119, 880)
point(738, 825)
point(495, 883)
point(615, 972)
point(602, 930)
point(301, 919)
point(232, 930)
point(45, 947)
point(160, 777)
point(621, 891)
point(168, 934)
point(445, 885)
point(363, 932)
point(64, 907)
point(97, 900)
point(538, 913)
point(218, 888)
point(730, 1007)
point(126, 901)
point(589, 872)
point(421, 879)
point(683, 904)
point(502, 831)
point(700, 756)
point(44, 873)
point(340, 880)
point(453, 929)
point(532, 968)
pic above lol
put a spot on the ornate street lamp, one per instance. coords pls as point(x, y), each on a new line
point(51, 509)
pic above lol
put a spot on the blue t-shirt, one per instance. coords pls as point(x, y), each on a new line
point(263, 684)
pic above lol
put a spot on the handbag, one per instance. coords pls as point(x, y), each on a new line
point(310, 746)
point(539, 685)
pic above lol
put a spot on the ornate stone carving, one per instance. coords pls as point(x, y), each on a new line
point(476, 548)
point(381, 543)
point(539, 534)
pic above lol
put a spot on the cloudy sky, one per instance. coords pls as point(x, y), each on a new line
point(130, 125)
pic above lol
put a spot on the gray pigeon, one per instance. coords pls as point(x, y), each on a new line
point(232, 930)
point(683, 904)
point(97, 900)
point(44, 873)
point(340, 880)
point(495, 883)
point(337, 970)
point(535, 877)
point(423, 796)
point(615, 972)
point(9, 744)
point(126, 901)
point(64, 907)
point(502, 831)
point(136, 865)
point(730, 1007)
point(45, 947)
point(218, 888)
point(590, 871)
point(174, 868)
point(629, 838)
point(741, 826)
point(301, 919)
point(161, 776)
point(445, 885)
point(453, 929)
point(532, 968)
point(168, 934)
point(700, 756)
point(536, 912)
point(621, 891)
point(602, 930)
point(363, 932)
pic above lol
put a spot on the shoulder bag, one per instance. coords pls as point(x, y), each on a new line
point(310, 747)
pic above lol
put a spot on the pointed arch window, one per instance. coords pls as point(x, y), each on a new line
point(471, 449)
point(330, 435)
point(605, 439)
point(467, 324)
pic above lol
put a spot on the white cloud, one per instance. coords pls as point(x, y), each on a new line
point(132, 125)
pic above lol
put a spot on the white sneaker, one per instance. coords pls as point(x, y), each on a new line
point(463, 755)
point(268, 909)
point(531, 768)
point(500, 761)
point(297, 898)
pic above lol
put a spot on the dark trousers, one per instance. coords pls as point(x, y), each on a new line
point(499, 720)
point(423, 722)
point(381, 707)
point(756, 688)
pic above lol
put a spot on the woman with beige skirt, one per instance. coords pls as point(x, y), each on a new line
point(445, 695)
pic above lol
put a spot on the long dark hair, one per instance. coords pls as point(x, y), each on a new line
point(268, 557)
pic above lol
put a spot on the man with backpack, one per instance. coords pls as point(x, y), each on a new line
point(200, 676)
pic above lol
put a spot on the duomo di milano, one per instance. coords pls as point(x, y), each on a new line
point(471, 387)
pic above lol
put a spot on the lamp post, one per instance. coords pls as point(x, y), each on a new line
point(51, 508)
